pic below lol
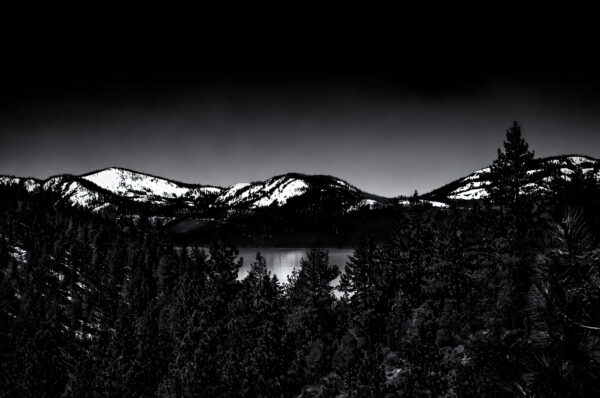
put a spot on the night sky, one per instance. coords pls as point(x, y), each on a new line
point(390, 98)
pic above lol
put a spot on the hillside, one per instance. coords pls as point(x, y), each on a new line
point(541, 172)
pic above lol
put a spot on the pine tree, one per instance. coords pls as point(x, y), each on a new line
point(311, 318)
point(564, 305)
point(508, 174)
point(363, 275)
point(252, 358)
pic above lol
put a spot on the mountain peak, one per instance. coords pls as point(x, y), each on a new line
point(144, 187)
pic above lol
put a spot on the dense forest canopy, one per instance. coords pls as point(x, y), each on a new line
point(497, 298)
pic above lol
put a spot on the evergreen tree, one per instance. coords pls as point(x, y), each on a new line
point(564, 305)
point(508, 176)
point(311, 318)
point(254, 356)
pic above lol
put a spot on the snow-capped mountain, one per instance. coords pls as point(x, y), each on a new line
point(146, 188)
point(109, 188)
point(280, 189)
point(475, 185)
point(120, 190)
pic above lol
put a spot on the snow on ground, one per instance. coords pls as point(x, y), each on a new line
point(532, 187)
point(30, 183)
point(566, 171)
point(364, 204)
point(231, 193)
point(476, 175)
point(431, 202)
point(577, 160)
point(476, 193)
point(368, 202)
point(201, 191)
point(5, 180)
point(130, 184)
point(142, 187)
point(281, 193)
point(471, 190)
point(437, 204)
point(79, 195)
point(75, 193)
point(101, 207)
point(344, 184)
point(53, 183)
point(275, 190)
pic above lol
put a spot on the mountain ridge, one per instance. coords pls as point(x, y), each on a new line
point(115, 182)
point(112, 186)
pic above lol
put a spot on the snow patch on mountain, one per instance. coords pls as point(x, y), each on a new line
point(474, 186)
point(9, 180)
point(578, 160)
point(75, 193)
point(29, 183)
point(262, 194)
point(477, 193)
point(476, 175)
point(433, 203)
point(566, 171)
point(231, 193)
point(365, 204)
point(142, 187)
point(282, 192)
point(344, 185)
point(80, 195)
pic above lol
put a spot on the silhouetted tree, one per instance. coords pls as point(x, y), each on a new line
point(508, 174)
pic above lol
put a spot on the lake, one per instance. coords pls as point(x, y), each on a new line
point(282, 261)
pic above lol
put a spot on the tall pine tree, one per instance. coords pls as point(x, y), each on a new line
point(508, 174)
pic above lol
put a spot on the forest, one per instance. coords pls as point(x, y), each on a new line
point(498, 298)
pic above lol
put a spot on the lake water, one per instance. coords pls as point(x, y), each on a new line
point(282, 261)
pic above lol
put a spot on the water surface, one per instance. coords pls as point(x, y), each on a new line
point(282, 261)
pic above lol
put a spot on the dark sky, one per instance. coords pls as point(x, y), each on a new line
point(388, 97)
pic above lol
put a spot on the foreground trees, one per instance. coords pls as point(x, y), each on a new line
point(564, 306)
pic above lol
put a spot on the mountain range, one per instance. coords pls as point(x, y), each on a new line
point(191, 207)
point(106, 188)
